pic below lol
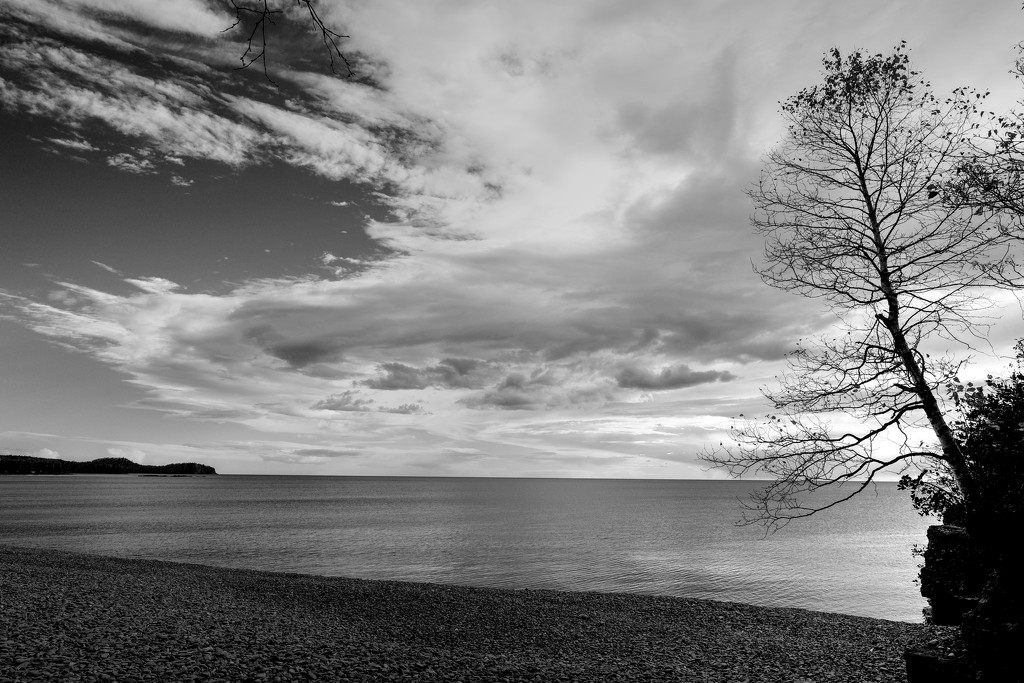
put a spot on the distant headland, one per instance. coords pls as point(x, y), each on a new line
point(27, 464)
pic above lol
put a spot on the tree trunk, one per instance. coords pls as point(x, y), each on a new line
point(950, 448)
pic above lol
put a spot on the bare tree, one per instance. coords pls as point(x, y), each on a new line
point(857, 210)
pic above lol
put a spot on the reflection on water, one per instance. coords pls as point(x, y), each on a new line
point(659, 537)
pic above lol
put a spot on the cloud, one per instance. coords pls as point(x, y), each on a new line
point(75, 144)
point(330, 147)
point(698, 128)
point(307, 456)
point(544, 389)
point(447, 331)
point(672, 377)
point(109, 269)
point(404, 409)
point(45, 453)
point(61, 297)
point(345, 402)
point(174, 116)
point(131, 163)
point(326, 452)
point(299, 354)
point(178, 101)
point(191, 16)
point(133, 454)
point(450, 373)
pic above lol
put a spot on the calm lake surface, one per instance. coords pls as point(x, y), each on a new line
point(656, 537)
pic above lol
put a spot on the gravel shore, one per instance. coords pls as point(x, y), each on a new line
point(71, 617)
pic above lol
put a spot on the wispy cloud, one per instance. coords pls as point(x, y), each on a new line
point(307, 456)
point(188, 16)
point(75, 144)
point(109, 269)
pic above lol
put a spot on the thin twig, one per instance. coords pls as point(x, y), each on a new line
point(261, 12)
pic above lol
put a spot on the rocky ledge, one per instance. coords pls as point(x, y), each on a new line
point(72, 617)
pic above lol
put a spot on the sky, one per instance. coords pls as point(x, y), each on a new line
point(514, 243)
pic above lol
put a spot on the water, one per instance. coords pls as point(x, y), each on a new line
point(655, 537)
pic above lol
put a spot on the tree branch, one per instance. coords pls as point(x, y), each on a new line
point(261, 15)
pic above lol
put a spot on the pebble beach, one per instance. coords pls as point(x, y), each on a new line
point(74, 617)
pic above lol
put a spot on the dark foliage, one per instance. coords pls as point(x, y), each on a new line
point(990, 431)
point(935, 493)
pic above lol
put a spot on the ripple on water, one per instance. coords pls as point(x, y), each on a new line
point(655, 537)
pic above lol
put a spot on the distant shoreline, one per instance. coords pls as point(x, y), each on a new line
point(77, 615)
point(27, 464)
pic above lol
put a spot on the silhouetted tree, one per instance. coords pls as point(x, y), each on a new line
point(856, 209)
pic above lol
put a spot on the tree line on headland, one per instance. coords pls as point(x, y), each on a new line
point(26, 464)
